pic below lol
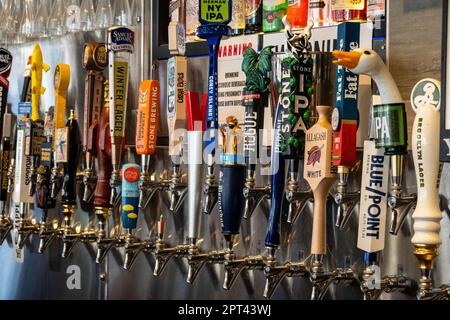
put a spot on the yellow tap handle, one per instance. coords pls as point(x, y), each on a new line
point(61, 83)
point(37, 67)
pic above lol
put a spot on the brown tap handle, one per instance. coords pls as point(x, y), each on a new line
point(104, 170)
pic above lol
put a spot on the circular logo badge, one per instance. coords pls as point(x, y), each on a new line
point(5, 62)
point(427, 92)
point(101, 56)
point(336, 120)
point(131, 174)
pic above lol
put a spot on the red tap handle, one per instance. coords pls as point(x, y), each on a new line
point(194, 113)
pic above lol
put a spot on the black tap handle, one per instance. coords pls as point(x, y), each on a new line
point(69, 194)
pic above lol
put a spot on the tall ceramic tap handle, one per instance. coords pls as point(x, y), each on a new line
point(319, 174)
point(425, 146)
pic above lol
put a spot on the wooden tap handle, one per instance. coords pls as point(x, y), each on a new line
point(104, 169)
point(319, 174)
point(425, 148)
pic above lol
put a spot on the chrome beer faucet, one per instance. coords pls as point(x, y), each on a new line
point(297, 199)
point(346, 201)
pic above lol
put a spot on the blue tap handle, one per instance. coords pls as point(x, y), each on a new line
point(213, 33)
point(277, 186)
point(231, 201)
point(130, 195)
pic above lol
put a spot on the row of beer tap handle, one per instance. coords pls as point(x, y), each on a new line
point(45, 168)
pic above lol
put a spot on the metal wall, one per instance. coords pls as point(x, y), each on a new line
point(45, 276)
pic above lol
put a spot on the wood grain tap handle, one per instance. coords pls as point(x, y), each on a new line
point(104, 169)
point(319, 174)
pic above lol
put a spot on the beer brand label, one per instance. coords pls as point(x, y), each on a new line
point(130, 195)
point(374, 199)
point(121, 39)
point(390, 125)
point(215, 11)
point(6, 59)
point(22, 177)
point(345, 114)
point(347, 4)
point(318, 149)
point(24, 110)
point(120, 89)
point(147, 117)
point(61, 151)
point(296, 78)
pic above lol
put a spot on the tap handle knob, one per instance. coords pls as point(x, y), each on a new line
point(147, 117)
point(72, 151)
point(130, 195)
point(426, 98)
point(319, 174)
point(104, 170)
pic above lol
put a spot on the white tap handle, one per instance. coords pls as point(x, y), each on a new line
point(425, 147)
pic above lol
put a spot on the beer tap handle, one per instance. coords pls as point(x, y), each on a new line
point(272, 239)
point(72, 151)
point(61, 83)
point(95, 60)
point(130, 212)
point(146, 135)
point(212, 29)
point(232, 177)
point(425, 145)
point(195, 163)
point(104, 169)
point(319, 174)
point(120, 48)
point(7, 60)
point(37, 68)
point(5, 222)
point(43, 185)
